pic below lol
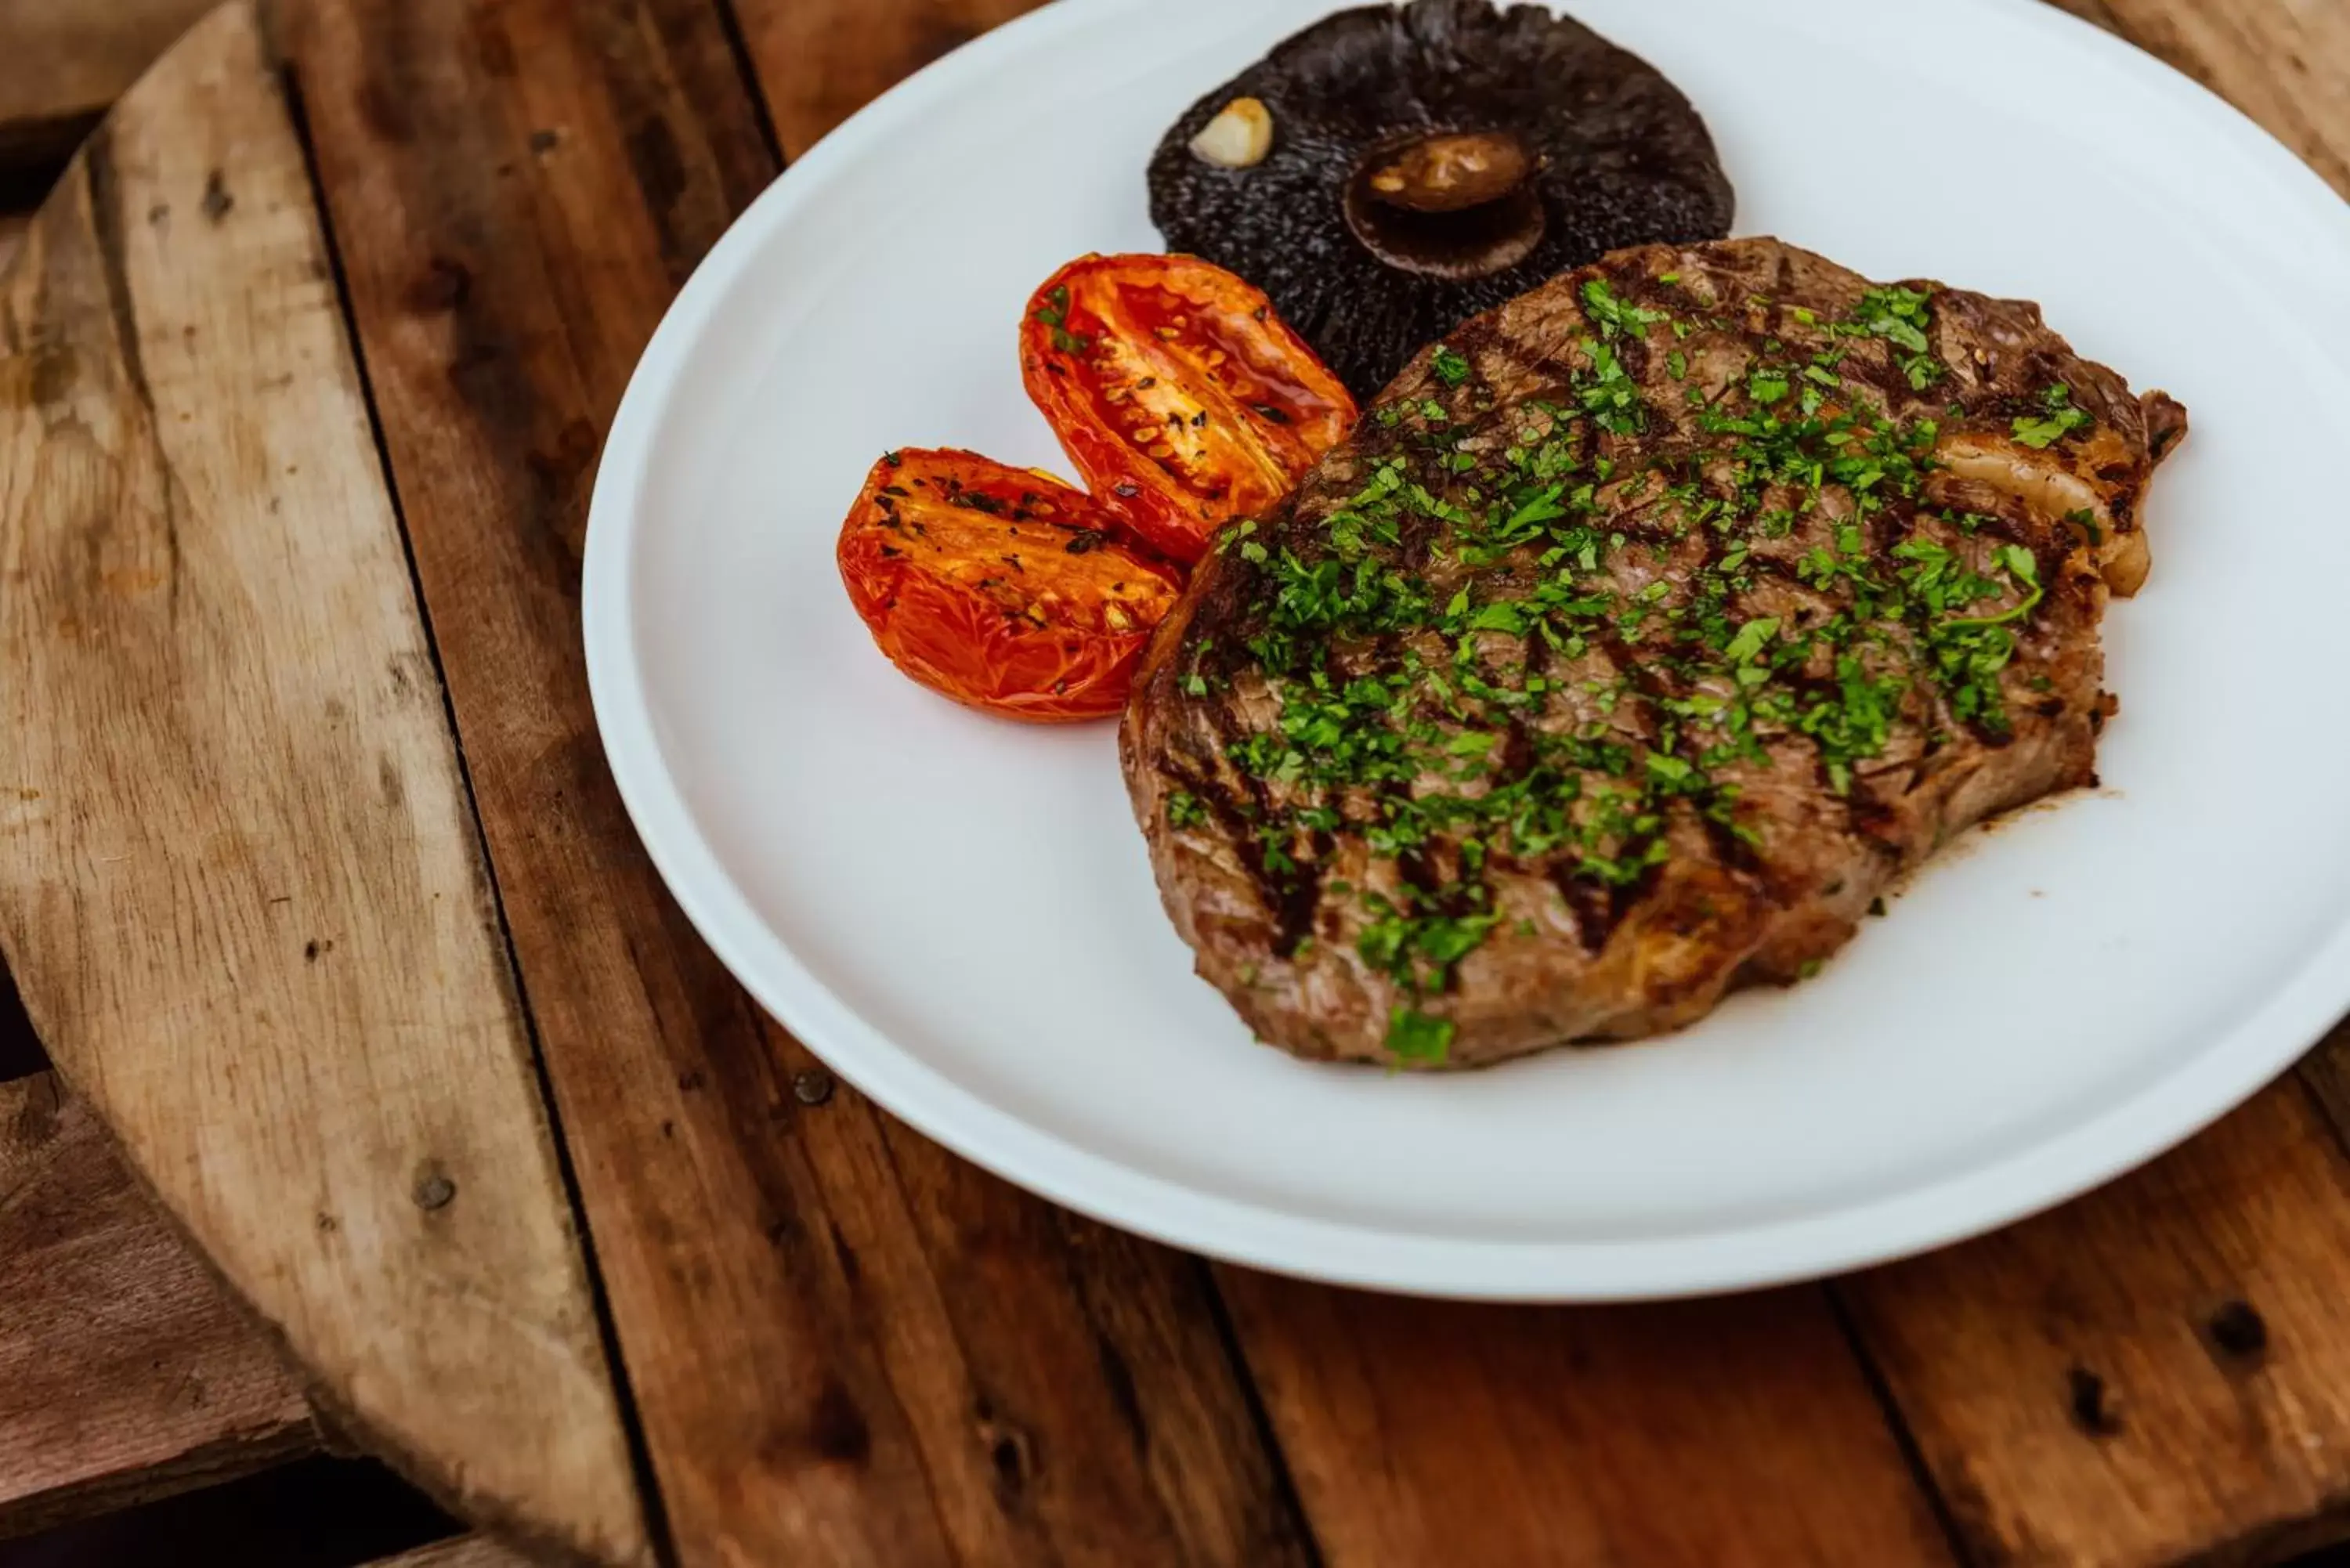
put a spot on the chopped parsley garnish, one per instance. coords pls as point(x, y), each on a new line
point(1450, 369)
point(2062, 418)
point(1614, 315)
point(1608, 395)
point(1055, 314)
point(1415, 1037)
point(1184, 810)
point(1903, 317)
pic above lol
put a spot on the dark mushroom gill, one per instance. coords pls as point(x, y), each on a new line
point(1430, 161)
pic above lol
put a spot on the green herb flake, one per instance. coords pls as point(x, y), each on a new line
point(1752, 639)
point(1415, 1037)
point(1614, 315)
point(2062, 418)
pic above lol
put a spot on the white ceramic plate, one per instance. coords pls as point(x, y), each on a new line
point(958, 914)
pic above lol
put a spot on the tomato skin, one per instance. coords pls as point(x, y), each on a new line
point(1183, 401)
point(1000, 588)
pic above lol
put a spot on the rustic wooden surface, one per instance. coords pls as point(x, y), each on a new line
point(64, 62)
point(2161, 1366)
point(241, 889)
point(840, 1343)
point(12, 234)
point(124, 1373)
point(1423, 1432)
point(820, 61)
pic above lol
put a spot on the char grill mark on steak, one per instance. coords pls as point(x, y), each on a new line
point(1642, 635)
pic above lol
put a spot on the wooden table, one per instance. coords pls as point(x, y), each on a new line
point(322, 901)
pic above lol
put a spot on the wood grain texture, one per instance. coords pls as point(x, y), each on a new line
point(125, 1374)
point(2286, 63)
point(843, 1346)
point(1736, 1432)
point(1066, 1385)
point(239, 881)
point(65, 62)
point(465, 1551)
point(820, 61)
point(2158, 1374)
point(12, 234)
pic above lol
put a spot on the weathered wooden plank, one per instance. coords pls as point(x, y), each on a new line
point(125, 1374)
point(820, 61)
point(2286, 63)
point(843, 1346)
point(1066, 1385)
point(12, 234)
point(2157, 1373)
point(1727, 1433)
point(465, 1551)
point(67, 60)
point(239, 880)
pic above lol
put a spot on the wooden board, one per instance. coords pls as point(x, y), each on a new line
point(820, 61)
point(125, 1374)
point(1738, 1432)
point(239, 883)
point(12, 234)
point(65, 62)
point(843, 1346)
point(2155, 1372)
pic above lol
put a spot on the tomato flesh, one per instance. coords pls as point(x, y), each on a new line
point(1183, 401)
point(999, 588)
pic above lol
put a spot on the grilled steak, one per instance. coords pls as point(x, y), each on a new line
point(1647, 629)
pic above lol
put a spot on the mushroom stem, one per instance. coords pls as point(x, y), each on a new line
point(1447, 204)
point(1451, 171)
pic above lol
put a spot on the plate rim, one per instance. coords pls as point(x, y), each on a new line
point(2086, 1154)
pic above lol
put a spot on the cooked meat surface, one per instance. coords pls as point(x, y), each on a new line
point(1649, 627)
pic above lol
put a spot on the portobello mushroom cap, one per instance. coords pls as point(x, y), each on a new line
point(1430, 161)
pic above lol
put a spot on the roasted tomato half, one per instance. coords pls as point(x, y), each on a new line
point(1184, 401)
point(1000, 588)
